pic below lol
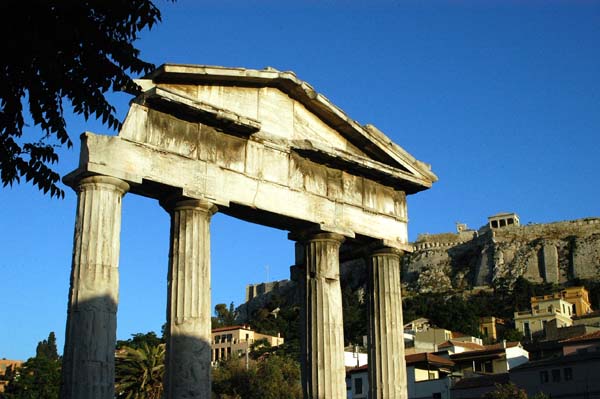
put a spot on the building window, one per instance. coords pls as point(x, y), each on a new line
point(484, 366)
point(526, 329)
point(556, 375)
point(544, 376)
point(358, 386)
point(568, 371)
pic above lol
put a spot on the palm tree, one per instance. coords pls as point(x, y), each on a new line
point(139, 372)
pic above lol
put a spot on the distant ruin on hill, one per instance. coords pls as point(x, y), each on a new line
point(504, 250)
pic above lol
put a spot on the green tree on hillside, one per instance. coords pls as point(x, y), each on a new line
point(273, 377)
point(39, 376)
point(224, 316)
point(139, 339)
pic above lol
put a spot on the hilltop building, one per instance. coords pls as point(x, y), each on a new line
point(503, 220)
point(254, 290)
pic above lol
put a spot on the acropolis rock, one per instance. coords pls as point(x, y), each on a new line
point(553, 253)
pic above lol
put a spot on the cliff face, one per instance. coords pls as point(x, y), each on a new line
point(554, 253)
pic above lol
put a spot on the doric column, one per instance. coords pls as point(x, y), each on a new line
point(323, 371)
point(387, 367)
point(88, 369)
point(187, 367)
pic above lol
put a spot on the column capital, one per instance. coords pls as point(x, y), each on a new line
point(100, 182)
point(178, 203)
point(315, 235)
point(390, 251)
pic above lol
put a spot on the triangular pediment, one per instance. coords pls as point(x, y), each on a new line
point(276, 106)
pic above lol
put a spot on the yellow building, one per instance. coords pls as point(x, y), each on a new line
point(579, 297)
point(544, 308)
point(227, 341)
point(5, 364)
point(491, 326)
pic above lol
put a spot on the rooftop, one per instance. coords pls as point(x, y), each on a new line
point(467, 345)
point(582, 338)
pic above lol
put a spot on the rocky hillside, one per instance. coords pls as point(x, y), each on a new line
point(553, 253)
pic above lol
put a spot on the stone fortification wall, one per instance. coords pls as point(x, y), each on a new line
point(554, 252)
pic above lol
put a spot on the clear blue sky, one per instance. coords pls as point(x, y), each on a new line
point(502, 98)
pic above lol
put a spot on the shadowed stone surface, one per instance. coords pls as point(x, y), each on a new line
point(88, 360)
point(387, 369)
point(187, 368)
point(323, 327)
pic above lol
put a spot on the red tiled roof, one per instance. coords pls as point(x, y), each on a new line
point(230, 328)
point(586, 337)
point(487, 350)
point(500, 345)
point(428, 358)
point(456, 334)
point(468, 345)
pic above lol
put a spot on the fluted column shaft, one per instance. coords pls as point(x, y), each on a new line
point(188, 357)
point(323, 328)
point(88, 370)
point(387, 367)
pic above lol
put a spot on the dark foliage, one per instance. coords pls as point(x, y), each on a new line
point(280, 315)
point(450, 312)
point(224, 317)
point(38, 377)
point(138, 340)
point(273, 377)
point(74, 50)
point(355, 316)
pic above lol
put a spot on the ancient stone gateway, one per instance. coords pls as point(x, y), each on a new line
point(263, 146)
